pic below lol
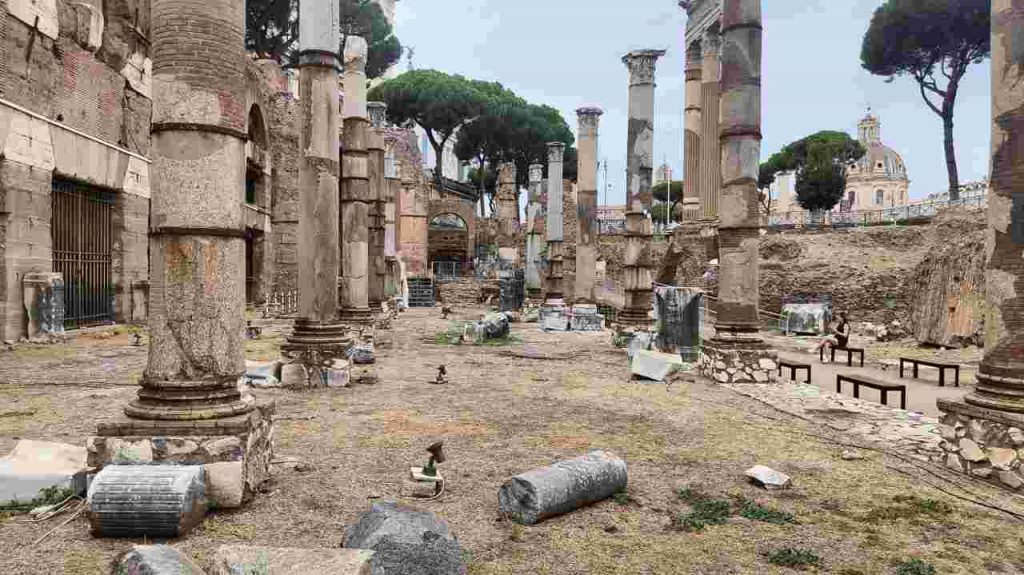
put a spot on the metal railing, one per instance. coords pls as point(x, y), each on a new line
point(281, 304)
point(448, 271)
point(882, 216)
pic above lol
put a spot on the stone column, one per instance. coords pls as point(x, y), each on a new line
point(189, 394)
point(506, 203)
point(692, 132)
point(534, 208)
point(555, 295)
point(982, 432)
point(375, 145)
point(737, 353)
point(586, 205)
point(392, 183)
point(639, 170)
point(355, 191)
point(317, 337)
point(355, 209)
point(709, 177)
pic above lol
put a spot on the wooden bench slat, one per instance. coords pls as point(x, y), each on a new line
point(872, 382)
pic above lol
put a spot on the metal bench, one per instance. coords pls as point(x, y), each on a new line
point(793, 367)
point(942, 367)
point(882, 386)
point(849, 354)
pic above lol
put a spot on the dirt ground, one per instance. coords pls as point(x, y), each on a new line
point(508, 409)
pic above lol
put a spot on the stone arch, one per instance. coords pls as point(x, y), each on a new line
point(448, 243)
point(448, 221)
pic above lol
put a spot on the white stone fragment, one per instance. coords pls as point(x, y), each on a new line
point(768, 477)
point(970, 451)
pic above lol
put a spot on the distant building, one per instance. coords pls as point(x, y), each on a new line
point(878, 180)
point(662, 174)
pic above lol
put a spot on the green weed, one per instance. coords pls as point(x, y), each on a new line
point(794, 558)
point(757, 512)
point(915, 567)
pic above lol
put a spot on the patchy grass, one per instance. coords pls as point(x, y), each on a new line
point(219, 530)
point(794, 558)
point(915, 567)
point(83, 562)
point(264, 348)
point(908, 507)
point(622, 497)
point(407, 423)
point(757, 512)
point(25, 411)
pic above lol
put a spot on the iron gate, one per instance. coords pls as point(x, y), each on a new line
point(82, 228)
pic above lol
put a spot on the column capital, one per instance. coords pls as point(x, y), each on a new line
point(536, 173)
point(378, 113)
point(641, 65)
point(555, 151)
point(589, 119)
point(711, 43)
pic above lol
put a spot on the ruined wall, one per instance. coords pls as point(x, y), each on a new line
point(76, 85)
point(930, 277)
point(947, 289)
point(284, 150)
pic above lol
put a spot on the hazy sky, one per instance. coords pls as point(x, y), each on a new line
point(567, 53)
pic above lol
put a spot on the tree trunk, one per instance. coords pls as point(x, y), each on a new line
point(954, 178)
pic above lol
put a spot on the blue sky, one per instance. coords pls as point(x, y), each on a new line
point(567, 53)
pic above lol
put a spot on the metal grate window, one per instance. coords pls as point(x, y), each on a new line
point(82, 230)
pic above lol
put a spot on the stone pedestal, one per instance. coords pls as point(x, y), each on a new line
point(44, 303)
point(739, 360)
point(585, 317)
point(638, 273)
point(235, 451)
point(985, 443)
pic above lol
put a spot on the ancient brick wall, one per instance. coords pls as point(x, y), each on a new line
point(131, 258)
point(283, 126)
point(25, 198)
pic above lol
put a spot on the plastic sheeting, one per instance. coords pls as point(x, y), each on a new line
point(679, 320)
point(809, 318)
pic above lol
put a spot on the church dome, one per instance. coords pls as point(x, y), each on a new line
point(880, 160)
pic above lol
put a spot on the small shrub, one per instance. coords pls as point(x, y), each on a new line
point(705, 512)
point(689, 494)
point(756, 512)
point(915, 567)
point(621, 497)
point(51, 495)
point(794, 558)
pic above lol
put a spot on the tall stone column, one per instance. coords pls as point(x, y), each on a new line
point(992, 416)
point(639, 172)
point(355, 210)
point(507, 206)
point(375, 144)
point(317, 337)
point(392, 184)
point(189, 395)
point(692, 131)
point(709, 177)
point(737, 353)
point(534, 228)
point(555, 295)
point(355, 191)
point(586, 205)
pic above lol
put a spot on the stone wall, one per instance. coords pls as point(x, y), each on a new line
point(929, 277)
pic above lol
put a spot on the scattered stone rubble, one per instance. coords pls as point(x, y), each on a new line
point(986, 448)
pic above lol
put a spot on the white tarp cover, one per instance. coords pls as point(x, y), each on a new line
point(33, 465)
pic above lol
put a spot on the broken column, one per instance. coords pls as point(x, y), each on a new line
point(375, 145)
point(554, 296)
point(355, 209)
point(189, 408)
point(585, 316)
point(532, 497)
point(534, 233)
point(984, 432)
point(507, 206)
point(709, 177)
point(737, 353)
point(318, 340)
point(692, 132)
point(639, 171)
point(147, 500)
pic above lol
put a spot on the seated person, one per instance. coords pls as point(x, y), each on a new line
point(838, 337)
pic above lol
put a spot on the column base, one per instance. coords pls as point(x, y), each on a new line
point(315, 355)
point(739, 359)
point(554, 317)
point(235, 451)
point(983, 443)
point(636, 319)
point(356, 316)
